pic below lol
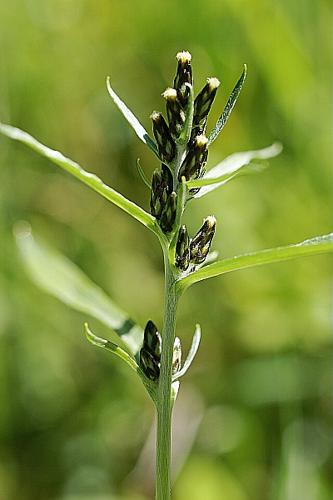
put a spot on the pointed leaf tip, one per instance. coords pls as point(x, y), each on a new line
point(221, 122)
point(112, 347)
point(142, 174)
point(93, 339)
point(132, 119)
point(125, 356)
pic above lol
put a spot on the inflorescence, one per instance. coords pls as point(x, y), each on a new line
point(183, 150)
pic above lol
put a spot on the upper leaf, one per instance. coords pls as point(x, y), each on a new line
point(140, 131)
point(61, 278)
point(221, 122)
point(317, 245)
point(87, 178)
point(234, 165)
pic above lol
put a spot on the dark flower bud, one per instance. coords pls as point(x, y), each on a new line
point(183, 249)
point(149, 365)
point(167, 177)
point(162, 183)
point(184, 70)
point(200, 244)
point(165, 143)
point(168, 214)
point(202, 105)
point(152, 341)
point(155, 202)
point(176, 116)
point(177, 356)
point(195, 159)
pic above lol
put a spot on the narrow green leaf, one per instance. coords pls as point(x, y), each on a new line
point(192, 352)
point(245, 162)
point(112, 347)
point(132, 120)
point(129, 360)
point(142, 174)
point(221, 122)
point(59, 277)
point(87, 178)
point(313, 246)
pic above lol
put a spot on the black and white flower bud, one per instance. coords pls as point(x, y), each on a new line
point(156, 190)
point(162, 184)
point(183, 79)
point(184, 69)
point(168, 214)
point(165, 143)
point(177, 356)
point(183, 249)
point(200, 244)
point(202, 105)
point(149, 365)
point(152, 340)
point(175, 113)
point(195, 159)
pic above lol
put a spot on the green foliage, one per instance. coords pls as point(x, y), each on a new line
point(183, 148)
point(313, 246)
point(132, 120)
point(246, 162)
point(72, 423)
point(221, 122)
point(87, 178)
point(61, 278)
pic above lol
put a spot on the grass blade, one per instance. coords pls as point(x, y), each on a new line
point(221, 122)
point(87, 178)
point(313, 246)
point(60, 277)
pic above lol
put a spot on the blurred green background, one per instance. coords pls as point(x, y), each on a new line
point(73, 420)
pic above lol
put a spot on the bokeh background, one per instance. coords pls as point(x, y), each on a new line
point(73, 420)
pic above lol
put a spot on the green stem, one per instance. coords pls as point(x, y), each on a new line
point(172, 293)
point(164, 401)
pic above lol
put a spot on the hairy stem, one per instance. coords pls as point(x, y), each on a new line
point(164, 401)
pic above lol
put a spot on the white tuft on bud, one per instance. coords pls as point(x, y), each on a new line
point(155, 116)
point(201, 140)
point(213, 83)
point(210, 221)
point(170, 94)
point(184, 56)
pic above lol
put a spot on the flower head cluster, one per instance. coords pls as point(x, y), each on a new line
point(183, 150)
